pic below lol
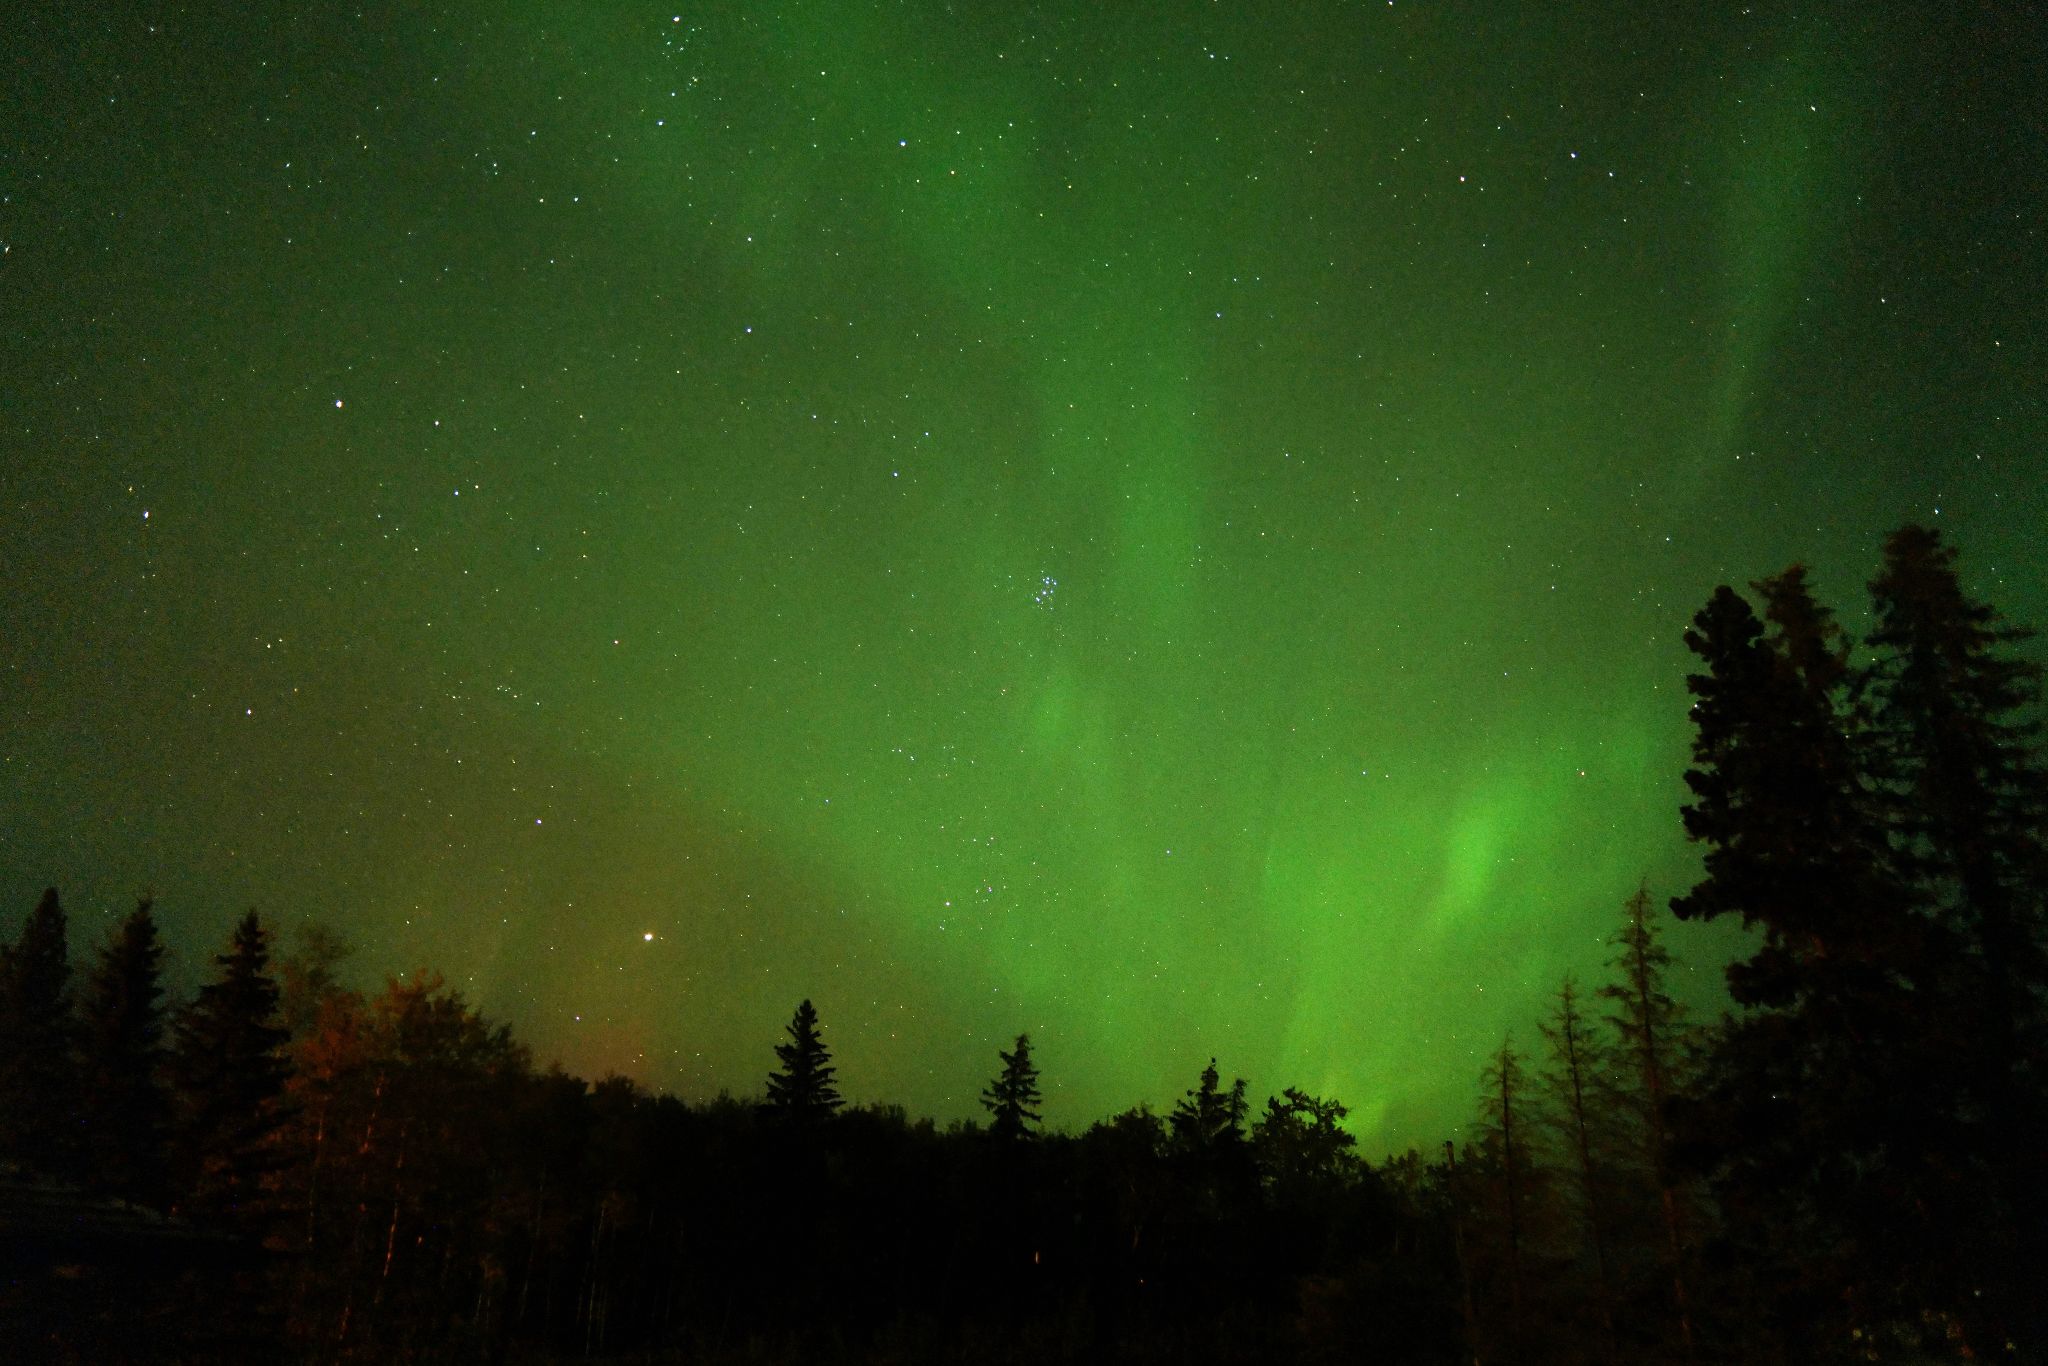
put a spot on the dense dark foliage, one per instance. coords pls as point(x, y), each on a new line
point(1870, 1119)
point(126, 1113)
point(39, 1118)
point(1845, 1167)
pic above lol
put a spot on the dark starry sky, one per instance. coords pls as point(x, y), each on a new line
point(1167, 527)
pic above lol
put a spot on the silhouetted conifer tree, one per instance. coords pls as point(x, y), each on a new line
point(1580, 1103)
point(1654, 1051)
point(1834, 1118)
point(801, 1091)
point(1208, 1118)
point(1506, 1140)
point(231, 1070)
point(1012, 1098)
point(1792, 844)
point(39, 1090)
point(127, 1106)
point(1957, 720)
point(1956, 717)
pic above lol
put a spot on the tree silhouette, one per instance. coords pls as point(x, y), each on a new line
point(1575, 1080)
point(1652, 1032)
point(801, 1091)
point(1505, 1139)
point(1955, 720)
point(127, 1107)
point(1208, 1118)
point(1303, 1152)
point(1792, 845)
point(405, 1110)
point(1012, 1098)
point(1864, 1116)
point(231, 1073)
point(38, 1075)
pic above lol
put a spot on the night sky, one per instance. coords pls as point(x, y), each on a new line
point(1164, 527)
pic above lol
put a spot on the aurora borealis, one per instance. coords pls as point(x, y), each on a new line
point(1166, 529)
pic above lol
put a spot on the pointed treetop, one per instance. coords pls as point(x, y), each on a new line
point(1012, 1098)
point(1207, 1117)
point(801, 1090)
point(231, 1069)
point(38, 1078)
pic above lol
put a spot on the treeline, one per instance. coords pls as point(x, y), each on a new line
point(1846, 1166)
point(401, 1183)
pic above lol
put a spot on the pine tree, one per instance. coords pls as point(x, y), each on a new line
point(1792, 843)
point(1651, 1028)
point(1830, 1116)
point(1579, 1101)
point(801, 1092)
point(231, 1072)
point(127, 1106)
point(39, 1117)
point(1207, 1119)
point(1506, 1141)
point(1012, 1098)
point(1956, 721)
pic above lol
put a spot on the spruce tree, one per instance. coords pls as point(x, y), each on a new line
point(1780, 802)
point(801, 1091)
point(39, 1117)
point(1832, 1116)
point(1650, 1027)
point(1208, 1119)
point(1956, 721)
point(1012, 1098)
point(127, 1107)
point(1579, 1098)
point(1506, 1140)
point(231, 1072)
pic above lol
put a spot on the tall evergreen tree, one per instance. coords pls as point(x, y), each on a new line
point(801, 1091)
point(1651, 1029)
point(39, 1117)
point(1012, 1098)
point(231, 1071)
point(127, 1106)
point(1792, 844)
point(1208, 1118)
point(1830, 1118)
point(1576, 1082)
point(1956, 721)
point(1506, 1140)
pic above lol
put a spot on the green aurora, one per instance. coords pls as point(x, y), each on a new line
point(1167, 528)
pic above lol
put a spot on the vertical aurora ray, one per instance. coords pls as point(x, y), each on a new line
point(1791, 155)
